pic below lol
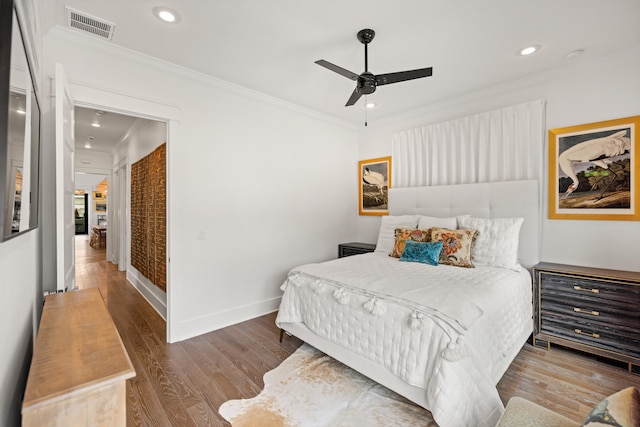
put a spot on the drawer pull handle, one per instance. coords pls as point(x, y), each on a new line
point(594, 291)
point(579, 310)
point(578, 331)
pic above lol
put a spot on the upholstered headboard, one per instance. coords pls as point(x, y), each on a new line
point(505, 199)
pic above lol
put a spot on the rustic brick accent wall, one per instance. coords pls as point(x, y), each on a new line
point(149, 216)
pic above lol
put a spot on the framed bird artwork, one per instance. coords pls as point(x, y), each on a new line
point(593, 171)
point(374, 183)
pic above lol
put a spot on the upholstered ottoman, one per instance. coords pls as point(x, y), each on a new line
point(621, 409)
point(524, 413)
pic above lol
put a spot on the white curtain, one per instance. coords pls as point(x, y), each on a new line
point(500, 145)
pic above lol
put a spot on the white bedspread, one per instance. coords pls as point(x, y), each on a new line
point(441, 328)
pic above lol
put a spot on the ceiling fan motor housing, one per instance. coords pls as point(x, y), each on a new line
point(366, 83)
point(365, 36)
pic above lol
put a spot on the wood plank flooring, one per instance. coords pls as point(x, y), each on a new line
point(183, 384)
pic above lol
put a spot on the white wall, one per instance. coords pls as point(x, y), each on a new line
point(581, 92)
point(92, 162)
point(270, 185)
point(20, 293)
point(148, 135)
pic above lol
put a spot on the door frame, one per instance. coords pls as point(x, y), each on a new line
point(89, 96)
point(65, 181)
point(121, 212)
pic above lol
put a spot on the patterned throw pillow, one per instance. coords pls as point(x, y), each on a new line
point(457, 246)
point(424, 252)
point(621, 409)
point(404, 234)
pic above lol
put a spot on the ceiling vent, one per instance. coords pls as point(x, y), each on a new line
point(89, 24)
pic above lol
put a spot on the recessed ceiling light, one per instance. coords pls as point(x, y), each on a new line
point(575, 53)
point(96, 121)
point(529, 50)
point(87, 145)
point(166, 14)
point(370, 105)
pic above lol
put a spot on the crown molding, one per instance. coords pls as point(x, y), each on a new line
point(108, 48)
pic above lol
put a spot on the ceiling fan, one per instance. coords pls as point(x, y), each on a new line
point(367, 82)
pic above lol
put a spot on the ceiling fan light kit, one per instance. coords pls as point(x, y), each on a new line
point(367, 82)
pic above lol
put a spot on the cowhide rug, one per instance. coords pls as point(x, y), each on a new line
point(311, 389)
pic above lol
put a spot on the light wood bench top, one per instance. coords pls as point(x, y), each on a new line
point(78, 348)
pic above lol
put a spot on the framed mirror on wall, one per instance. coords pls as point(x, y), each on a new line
point(19, 130)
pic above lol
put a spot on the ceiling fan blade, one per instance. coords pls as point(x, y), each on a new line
point(353, 98)
point(348, 74)
point(385, 79)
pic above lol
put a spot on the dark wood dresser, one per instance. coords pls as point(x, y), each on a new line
point(354, 248)
point(589, 309)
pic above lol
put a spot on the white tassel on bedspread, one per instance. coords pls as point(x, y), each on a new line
point(316, 286)
point(375, 306)
point(342, 296)
point(295, 279)
point(417, 320)
point(455, 350)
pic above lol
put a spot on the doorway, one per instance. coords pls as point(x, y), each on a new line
point(104, 139)
point(81, 213)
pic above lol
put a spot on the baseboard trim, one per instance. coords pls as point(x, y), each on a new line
point(202, 325)
point(145, 289)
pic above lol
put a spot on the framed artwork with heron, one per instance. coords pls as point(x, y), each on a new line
point(373, 186)
point(593, 171)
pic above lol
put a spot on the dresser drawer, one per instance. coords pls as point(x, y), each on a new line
point(591, 312)
point(580, 288)
point(613, 338)
point(613, 311)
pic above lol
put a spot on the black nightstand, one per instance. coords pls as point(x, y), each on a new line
point(354, 248)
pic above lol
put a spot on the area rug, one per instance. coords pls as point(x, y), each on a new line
point(311, 389)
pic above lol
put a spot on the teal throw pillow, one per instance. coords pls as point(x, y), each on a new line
point(424, 252)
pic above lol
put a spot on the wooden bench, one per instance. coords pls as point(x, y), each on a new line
point(80, 366)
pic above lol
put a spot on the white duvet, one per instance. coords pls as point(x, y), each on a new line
point(445, 329)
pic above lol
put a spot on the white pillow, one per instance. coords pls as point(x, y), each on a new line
point(426, 222)
point(388, 225)
point(497, 241)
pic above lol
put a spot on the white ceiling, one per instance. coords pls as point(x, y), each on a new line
point(88, 180)
point(271, 46)
point(113, 129)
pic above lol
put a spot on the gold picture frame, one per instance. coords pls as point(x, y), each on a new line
point(593, 171)
point(374, 181)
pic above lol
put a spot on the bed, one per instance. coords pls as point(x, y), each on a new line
point(440, 335)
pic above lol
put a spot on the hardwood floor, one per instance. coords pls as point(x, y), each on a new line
point(183, 384)
point(563, 380)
